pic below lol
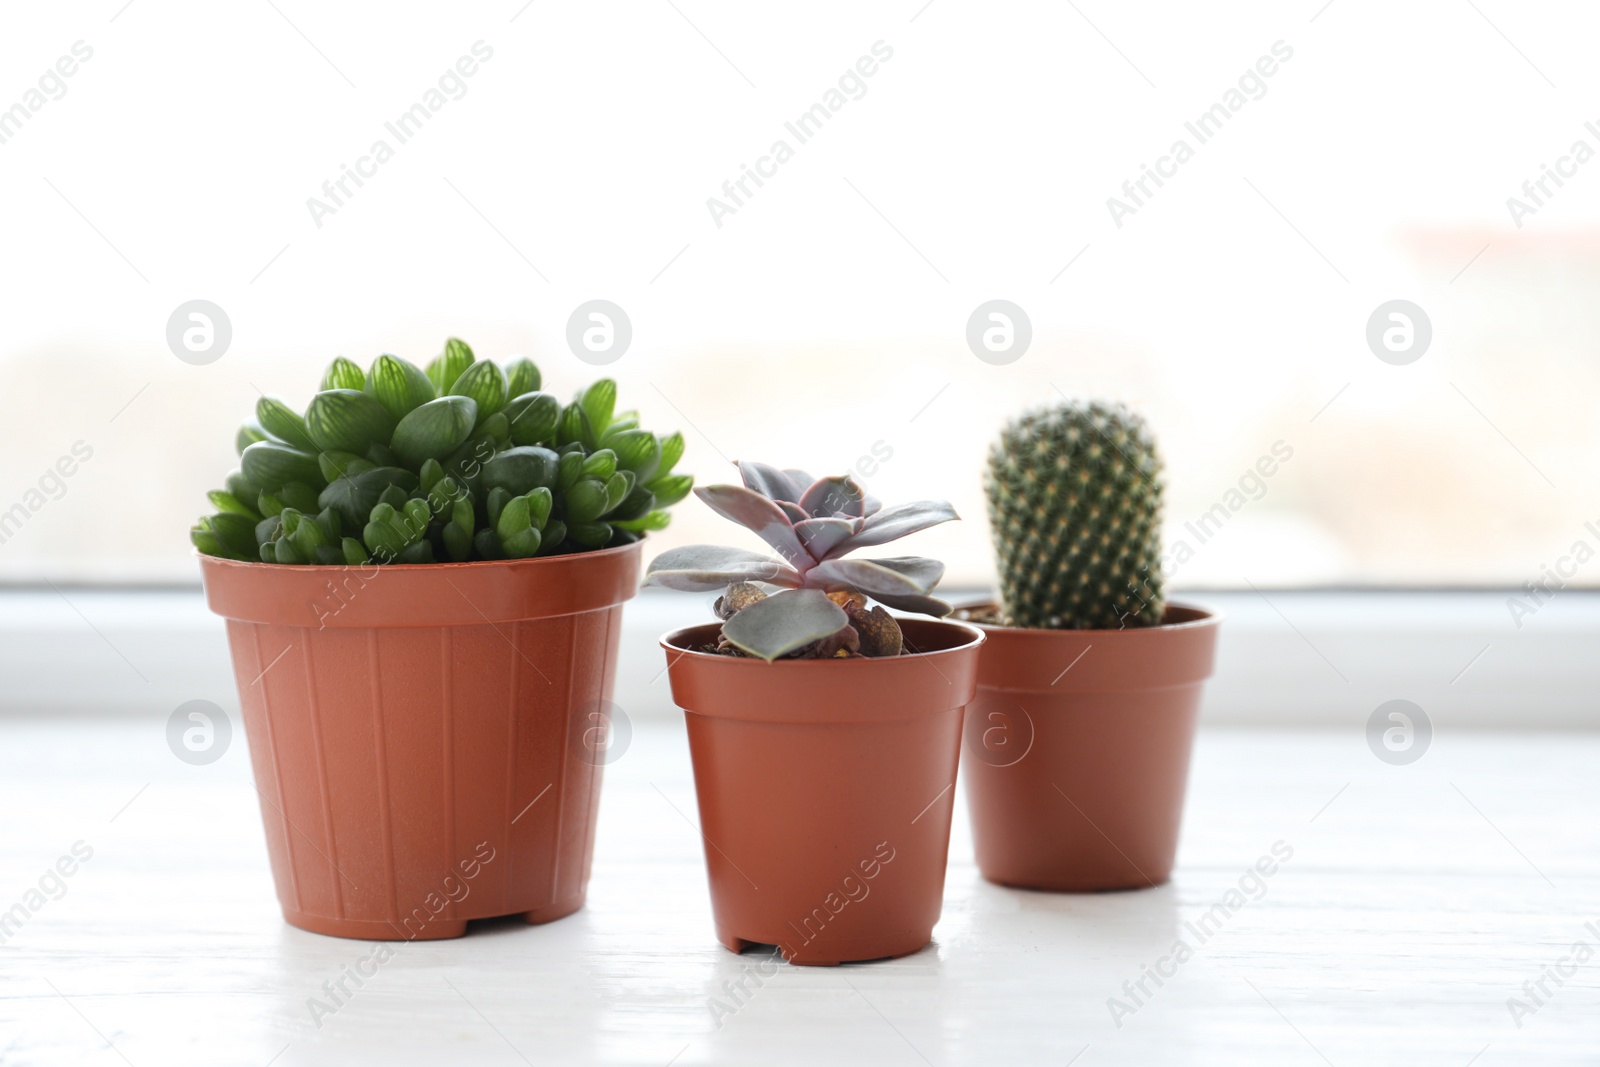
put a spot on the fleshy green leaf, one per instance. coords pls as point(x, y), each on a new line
point(533, 418)
point(651, 520)
point(521, 469)
point(586, 501)
point(637, 504)
point(207, 542)
point(400, 386)
point(346, 420)
point(354, 496)
point(637, 451)
point(449, 365)
point(434, 430)
point(672, 488)
point(355, 554)
point(540, 503)
point(270, 464)
point(485, 383)
point(336, 465)
point(602, 464)
point(495, 503)
point(236, 533)
point(589, 534)
point(522, 376)
point(224, 501)
point(298, 495)
point(284, 423)
point(248, 435)
point(599, 401)
point(343, 374)
point(671, 452)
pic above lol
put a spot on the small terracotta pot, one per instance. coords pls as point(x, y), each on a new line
point(1078, 751)
point(825, 790)
point(427, 739)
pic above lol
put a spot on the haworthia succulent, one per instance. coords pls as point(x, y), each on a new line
point(466, 460)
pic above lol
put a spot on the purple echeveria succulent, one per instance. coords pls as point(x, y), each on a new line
point(811, 524)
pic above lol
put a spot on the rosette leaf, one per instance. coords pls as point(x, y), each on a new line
point(703, 568)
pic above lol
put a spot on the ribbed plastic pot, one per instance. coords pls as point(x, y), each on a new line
point(427, 739)
point(1078, 747)
point(825, 790)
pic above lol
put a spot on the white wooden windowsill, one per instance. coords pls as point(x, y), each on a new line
point(1284, 658)
point(1418, 900)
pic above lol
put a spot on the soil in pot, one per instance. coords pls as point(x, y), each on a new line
point(427, 740)
point(1077, 750)
point(825, 790)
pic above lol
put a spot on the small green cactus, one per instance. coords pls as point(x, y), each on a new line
point(463, 461)
point(1074, 494)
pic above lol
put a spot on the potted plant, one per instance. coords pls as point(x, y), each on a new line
point(1078, 742)
point(422, 577)
point(824, 732)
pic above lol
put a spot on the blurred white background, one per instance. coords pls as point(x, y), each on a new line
point(828, 314)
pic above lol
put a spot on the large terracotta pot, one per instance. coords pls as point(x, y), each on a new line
point(1078, 751)
point(825, 790)
point(427, 739)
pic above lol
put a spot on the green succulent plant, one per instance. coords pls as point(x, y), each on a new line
point(461, 460)
point(1074, 493)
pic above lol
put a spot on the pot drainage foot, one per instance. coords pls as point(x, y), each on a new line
point(840, 951)
point(377, 929)
point(735, 945)
point(559, 909)
point(864, 950)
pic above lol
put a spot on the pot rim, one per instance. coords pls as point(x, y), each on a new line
point(669, 642)
point(382, 596)
point(440, 567)
point(1206, 617)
